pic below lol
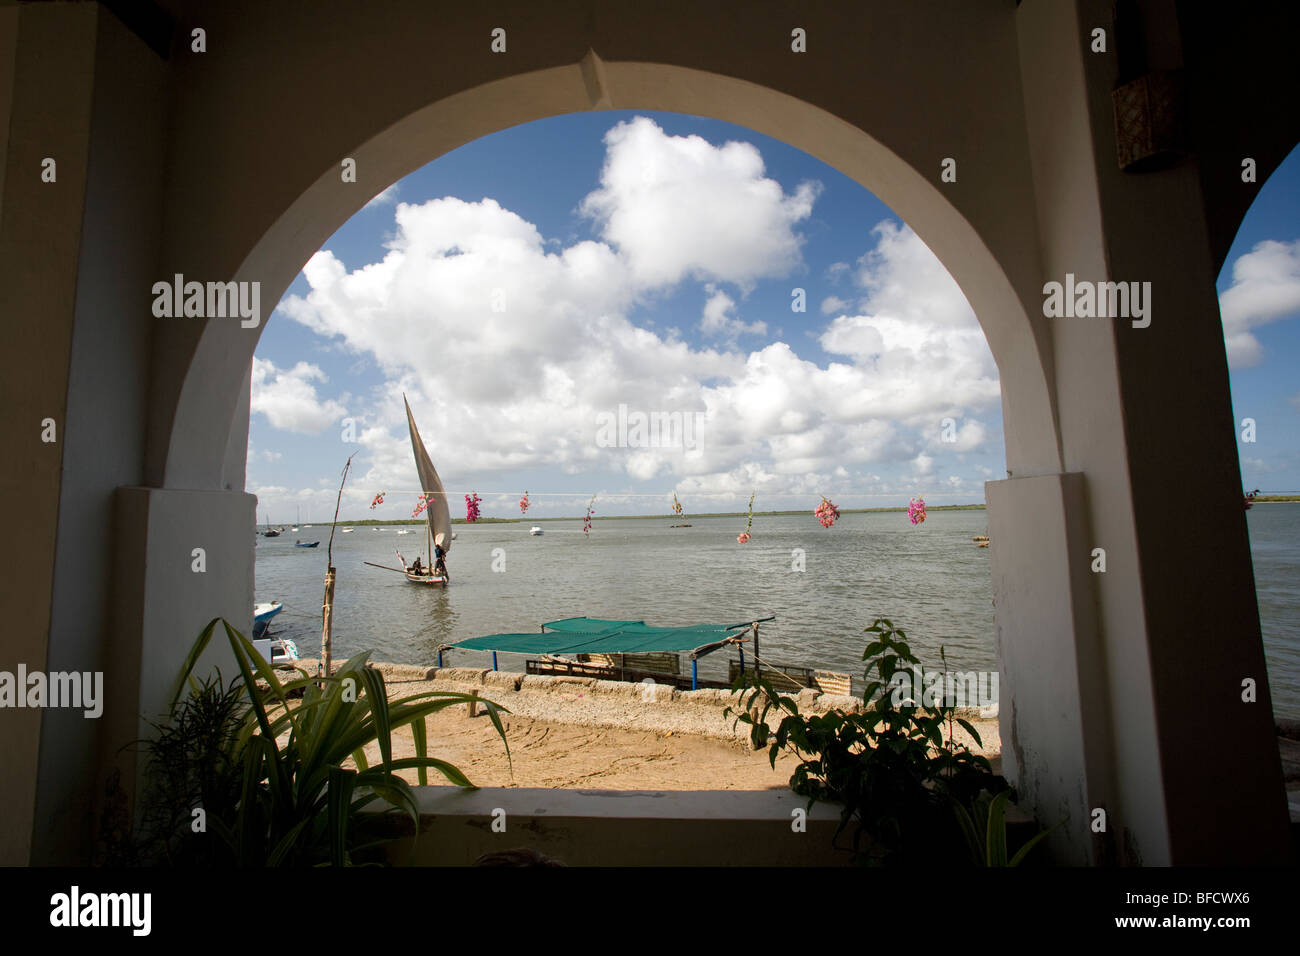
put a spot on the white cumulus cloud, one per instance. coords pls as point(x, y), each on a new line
point(288, 398)
point(719, 319)
point(512, 348)
point(387, 196)
point(1265, 287)
point(678, 207)
point(915, 334)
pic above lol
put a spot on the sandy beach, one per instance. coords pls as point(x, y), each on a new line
point(584, 734)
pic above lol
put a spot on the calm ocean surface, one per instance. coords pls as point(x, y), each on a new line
point(929, 579)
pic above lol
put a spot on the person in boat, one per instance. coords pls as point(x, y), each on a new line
point(439, 562)
point(417, 568)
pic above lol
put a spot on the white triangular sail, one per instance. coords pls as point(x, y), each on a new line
point(437, 512)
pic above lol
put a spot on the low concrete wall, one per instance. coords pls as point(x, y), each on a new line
point(622, 828)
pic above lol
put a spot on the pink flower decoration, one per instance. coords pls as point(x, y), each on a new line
point(916, 510)
point(379, 500)
point(743, 537)
point(827, 513)
point(471, 507)
point(523, 503)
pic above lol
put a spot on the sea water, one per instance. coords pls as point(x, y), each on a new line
point(930, 579)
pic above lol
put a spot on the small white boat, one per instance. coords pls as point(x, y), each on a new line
point(295, 528)
point(403, 531)
point(262, 614)
point(347, 531)
point(535, 529)
point(425, 577)
point(283, 651)
point(376, 529)
point(274, 650)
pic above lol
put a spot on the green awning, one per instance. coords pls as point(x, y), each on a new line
point(587, 625)
point(585, 635)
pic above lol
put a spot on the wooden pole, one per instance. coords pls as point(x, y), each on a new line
point(327, 606)
point(327, 623)
point(758, 666)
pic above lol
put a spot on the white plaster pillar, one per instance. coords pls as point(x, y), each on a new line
point(46, 101)
point(161, 603)
point(1186, 771)
point(1053, 718)
point(1217, 752)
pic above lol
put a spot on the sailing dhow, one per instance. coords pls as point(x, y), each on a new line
point(438, 534)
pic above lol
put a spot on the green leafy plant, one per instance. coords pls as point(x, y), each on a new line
point(193, 761)
point(297, 804)
point(892, 768)
point(985, 828)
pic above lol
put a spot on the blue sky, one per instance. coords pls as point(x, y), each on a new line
point(525, 286)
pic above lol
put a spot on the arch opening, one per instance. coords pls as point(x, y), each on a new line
point(212, 401)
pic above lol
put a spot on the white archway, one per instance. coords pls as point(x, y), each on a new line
point(224, 165)
point(212, 400)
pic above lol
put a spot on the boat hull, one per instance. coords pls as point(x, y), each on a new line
point(262, 614)
point(436, 580)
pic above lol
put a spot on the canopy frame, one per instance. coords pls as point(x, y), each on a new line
point(598, 640)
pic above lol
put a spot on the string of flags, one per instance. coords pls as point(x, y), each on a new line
point(827, 513)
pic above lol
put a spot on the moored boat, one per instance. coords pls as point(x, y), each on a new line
point(262, 614)
point(283, 651)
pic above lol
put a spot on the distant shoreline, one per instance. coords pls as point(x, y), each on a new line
point(525, 519)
